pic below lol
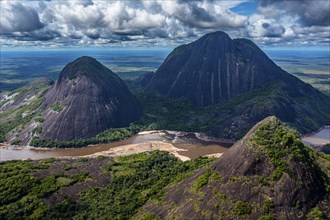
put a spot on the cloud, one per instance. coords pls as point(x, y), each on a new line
point(309, 12)
point(265, 28)
point(290, 23)
point(123, 19)
point(92, 22)
point(16, 17)
point(159, 22)
point(44, 35)
point(203, 14)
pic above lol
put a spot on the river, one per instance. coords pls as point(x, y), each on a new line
point(188, 145)
point(318, 139)
point(191, 145)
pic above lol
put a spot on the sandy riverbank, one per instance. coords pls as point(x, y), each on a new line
point(145, 147)
point(150, 132)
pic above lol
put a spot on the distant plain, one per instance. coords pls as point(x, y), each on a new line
point(17, 68)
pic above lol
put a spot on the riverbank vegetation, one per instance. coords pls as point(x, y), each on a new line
point(110, 135)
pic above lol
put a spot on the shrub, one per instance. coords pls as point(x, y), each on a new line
point(268, 205)
point(37, 130)
point(267, 217)
point(202, 180)
point(242, 208)
point(315, 214)
point(66, 167)
point(57, 107)
point(16, 142)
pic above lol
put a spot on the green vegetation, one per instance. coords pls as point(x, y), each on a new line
point(235, 178)
point(147, 175)
point(270, 150)
point(37, 130)
point(39, 119)
point(196, 206)
point(68, 167)
point(321, 84)
point(268, 205)
point(148, 216)
point(278, 141)
point(315, 214)
point(323, 161)
point(57, 107)
point(15, 119)
point(267, 217)
point(242, 208)
point(110, 135)
point(22, 194)
point(16, 142)
point(215, 176)
point(202, 180)
point(26, 191)
point(19, 117)
point(283, 147)
point(161, 112)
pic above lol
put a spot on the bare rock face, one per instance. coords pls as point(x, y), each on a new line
point(87, 99)
point(216, 68)
point(268, 174)
point(22, 105)
point(23, 95)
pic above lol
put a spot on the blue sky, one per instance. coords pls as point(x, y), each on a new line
point(55, 24)
point(245, 8)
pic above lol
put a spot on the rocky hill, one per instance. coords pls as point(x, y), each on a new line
point(87, 99)
point(269, 174)
point(215, 68)
point(237, 85)
point(19, 108)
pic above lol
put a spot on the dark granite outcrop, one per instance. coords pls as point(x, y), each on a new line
point(216, 68)
point(87, 99)
point(145, 78)
point(253, 181)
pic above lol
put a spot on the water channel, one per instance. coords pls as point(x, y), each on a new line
point(191, 142)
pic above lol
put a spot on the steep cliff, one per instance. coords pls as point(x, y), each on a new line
point(216, 68)
point(87, 99)
point(234, 85)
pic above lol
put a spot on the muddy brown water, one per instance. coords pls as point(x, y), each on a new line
point(188, 141)
point(195, 147)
